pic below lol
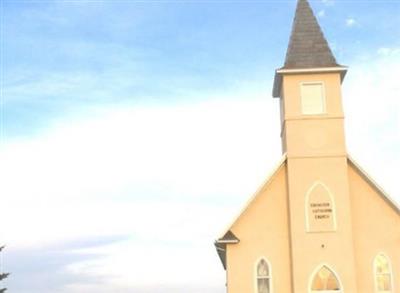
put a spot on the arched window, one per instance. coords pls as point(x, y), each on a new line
point(383, 274)
point(325, 280)
point(263, 277)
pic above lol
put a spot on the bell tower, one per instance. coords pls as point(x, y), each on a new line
point(309, 88)
point(312, 131)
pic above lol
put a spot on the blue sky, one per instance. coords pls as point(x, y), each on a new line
point(64, 55)
point(126, 130)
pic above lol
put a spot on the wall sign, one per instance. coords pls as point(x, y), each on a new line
point(320, 209)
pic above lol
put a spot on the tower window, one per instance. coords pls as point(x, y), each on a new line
point(263, 277)
point(312, 98)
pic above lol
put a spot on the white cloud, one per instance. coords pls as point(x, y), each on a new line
point(328, 2)
point(169, 176)
point(321, 13)
point(384, 51)
point(371, 92)
point(350, 22)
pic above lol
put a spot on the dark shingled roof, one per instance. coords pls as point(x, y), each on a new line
point(229, 236)
point(308, 47)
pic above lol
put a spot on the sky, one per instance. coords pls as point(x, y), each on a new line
point(133, 131)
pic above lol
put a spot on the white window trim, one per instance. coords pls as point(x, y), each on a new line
point(316, 270)
point(270, 277)
point(306, 206)
point(390, 271)
point(324, 111)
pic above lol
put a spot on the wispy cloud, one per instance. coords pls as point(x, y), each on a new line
point(377, 119)
point(60, 57)
point(384, 51)
point(350, 22)
point(328, 2)
point(45, 269)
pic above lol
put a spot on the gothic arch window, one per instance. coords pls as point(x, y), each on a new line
point(325, 280)
point(383, 274)
point(263, 277)
point(320, 209)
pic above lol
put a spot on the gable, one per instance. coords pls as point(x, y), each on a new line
point(254, 198)
point(261, 205)
point(267, 214)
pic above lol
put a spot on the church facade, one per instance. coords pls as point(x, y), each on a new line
point(319, 223)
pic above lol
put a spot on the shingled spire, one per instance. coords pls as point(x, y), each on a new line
point(308, 48)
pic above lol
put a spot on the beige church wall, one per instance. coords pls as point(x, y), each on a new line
point(376, 227)
point(331, 248)
point(309, 137)
point(263, 232)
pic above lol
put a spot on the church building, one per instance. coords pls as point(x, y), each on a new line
point(319, 223)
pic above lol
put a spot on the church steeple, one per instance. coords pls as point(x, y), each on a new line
point(309, 87)
point(308, 49)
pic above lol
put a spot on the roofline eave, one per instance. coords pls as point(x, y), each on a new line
point(219, 241)
point(338, 68)
point(375, 185)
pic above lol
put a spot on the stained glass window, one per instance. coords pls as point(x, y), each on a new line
point(263, 277)
point(383, 274)
point(325, 280)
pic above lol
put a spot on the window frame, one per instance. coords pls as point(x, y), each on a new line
point(313, 274)
point(256, 277)
point(324, 106)
point(375, 274)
